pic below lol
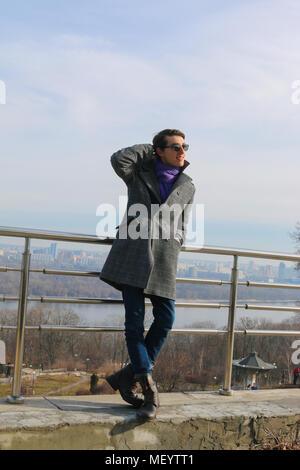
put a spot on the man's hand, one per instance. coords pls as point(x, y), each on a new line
point(178, 238)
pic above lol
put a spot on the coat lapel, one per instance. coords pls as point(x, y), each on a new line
point(148, 175)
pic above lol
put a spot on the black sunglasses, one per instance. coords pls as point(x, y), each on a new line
point(177, 147)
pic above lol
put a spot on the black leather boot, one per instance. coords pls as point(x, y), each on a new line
point(151, 402)
point(124, 381)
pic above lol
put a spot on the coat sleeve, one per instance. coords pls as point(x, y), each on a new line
point(126, 161)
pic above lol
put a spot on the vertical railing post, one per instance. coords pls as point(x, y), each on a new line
point(226, 390)
point(15, 396)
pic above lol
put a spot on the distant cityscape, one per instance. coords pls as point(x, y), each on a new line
point(247, 271)
point(53, 256)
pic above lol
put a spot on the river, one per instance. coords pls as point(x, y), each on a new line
point(112, 315)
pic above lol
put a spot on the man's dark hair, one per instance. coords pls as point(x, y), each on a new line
point(159, 140)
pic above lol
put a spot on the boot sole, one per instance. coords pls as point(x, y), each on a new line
point(145, 418)
point(115, 386)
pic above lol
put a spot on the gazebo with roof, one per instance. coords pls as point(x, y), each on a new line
point(252, 365)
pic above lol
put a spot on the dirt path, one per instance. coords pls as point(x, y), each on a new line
point(85, 378)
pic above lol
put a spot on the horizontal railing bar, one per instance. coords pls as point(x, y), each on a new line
point(106, 301)
point(63, 272)
point(54, 271)
point(214, 250)
point(4, 269)
point(218, 282)
point(82, 238)
point(63, 300)
point(107, 329)
point(97, 274)
point(270, 332)
point(75, 300)
point(183, 279)
point(148, 303)
point(270, 307)
point(53, 235)
point(4, 298)
point(66, 273)
point(65, 328)
point(116, 329)
point(196, 305)
point(269, 284)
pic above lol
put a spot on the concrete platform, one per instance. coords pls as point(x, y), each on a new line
point(185, 421)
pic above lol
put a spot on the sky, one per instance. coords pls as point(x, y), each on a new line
point(84, 79)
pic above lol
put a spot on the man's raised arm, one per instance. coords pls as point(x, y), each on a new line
point(126, 160)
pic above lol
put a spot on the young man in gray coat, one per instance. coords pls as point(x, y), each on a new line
point(143, 259)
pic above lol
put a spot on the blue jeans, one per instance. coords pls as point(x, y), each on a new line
point(143, 351)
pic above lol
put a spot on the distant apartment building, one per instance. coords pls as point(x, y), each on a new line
point(221, 268)
point(52, 249)
point(281, 270)
point(252, 267)
point(266, 271)
point(41, 258)
point(192, 272)
point(65, 256)
point(46, 251)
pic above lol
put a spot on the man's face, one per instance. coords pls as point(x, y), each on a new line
point(168, 155)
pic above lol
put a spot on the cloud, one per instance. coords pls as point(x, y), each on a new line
point(224, 77)
point(85, 86)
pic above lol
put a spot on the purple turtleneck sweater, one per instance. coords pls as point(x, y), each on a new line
point(166, 176)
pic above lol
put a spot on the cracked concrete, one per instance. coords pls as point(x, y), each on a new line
point(198, 420)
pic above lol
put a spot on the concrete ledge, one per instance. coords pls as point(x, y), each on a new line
point(186, 421)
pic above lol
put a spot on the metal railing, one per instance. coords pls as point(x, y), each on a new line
point(29, 234)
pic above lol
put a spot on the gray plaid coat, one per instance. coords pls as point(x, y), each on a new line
point(145, 252)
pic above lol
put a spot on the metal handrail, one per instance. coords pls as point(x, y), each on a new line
point(23, 297)
point(81, 238)
point(176, 331)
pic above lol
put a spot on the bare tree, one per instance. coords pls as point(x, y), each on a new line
point(296, 236)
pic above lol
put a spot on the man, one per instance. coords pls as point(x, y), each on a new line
point(296, 375)
point(144, 263)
